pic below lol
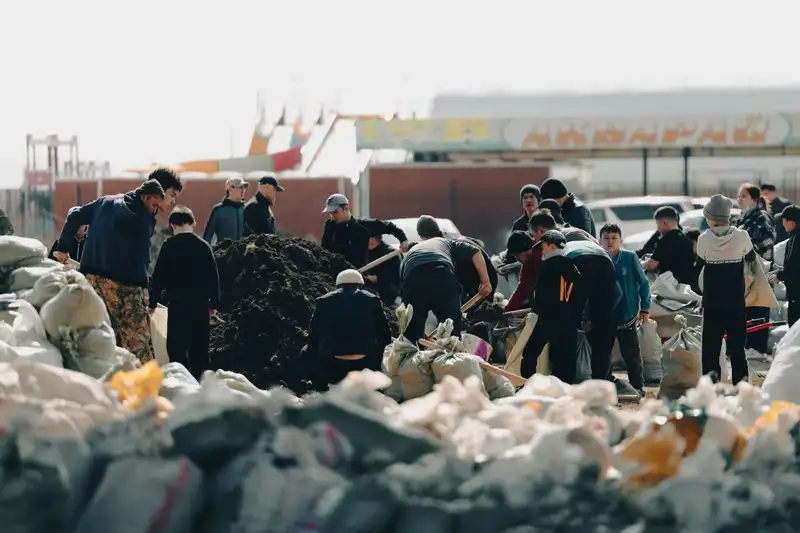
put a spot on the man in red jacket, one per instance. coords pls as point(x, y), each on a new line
point(520, 245)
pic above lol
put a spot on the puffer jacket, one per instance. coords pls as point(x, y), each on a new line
point(577, 215)
point(226, 221)
point(761, 229)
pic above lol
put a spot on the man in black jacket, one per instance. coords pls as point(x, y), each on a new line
point(75, 245)
point(384, 278)
point(529, 195)
point(348, 331)
point(790, 273)
point(558, 300)
point(573, 211)
point(349, 236)
point(187, 271)
point(777, 204)
point(258, 215)
point(226, 220)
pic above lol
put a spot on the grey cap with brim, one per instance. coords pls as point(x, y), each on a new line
point(334, 202)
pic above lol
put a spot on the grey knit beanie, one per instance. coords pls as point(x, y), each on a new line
point(718, 209)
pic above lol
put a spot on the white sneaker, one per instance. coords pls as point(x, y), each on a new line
point(754, 355)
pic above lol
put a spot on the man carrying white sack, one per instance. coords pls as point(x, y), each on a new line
point(116, 257)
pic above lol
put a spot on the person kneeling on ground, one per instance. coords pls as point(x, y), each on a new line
point(348, 331)
point(721, 251)
point(429, 280)
point(187, 271)
point(559, 301)
point(634, 306)
point(116, 256)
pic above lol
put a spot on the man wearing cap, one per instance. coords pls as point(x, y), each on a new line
point(558, 301)
point(258, 215)
point(348, 332)
point(554, 208)
point(602, 294)
point(573, 211)
point(428, 277)
point(116, 256)
point(673, 250)
point(790, 273)
point(529, 195)
point(226, 220)
point(344, 234)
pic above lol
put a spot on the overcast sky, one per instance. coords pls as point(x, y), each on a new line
point(171, 80)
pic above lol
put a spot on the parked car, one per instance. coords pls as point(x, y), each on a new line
point(700, 203)
point(634, 214)
point(409, 227)
point(637, 240)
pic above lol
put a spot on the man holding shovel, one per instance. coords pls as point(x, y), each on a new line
point(429, 281)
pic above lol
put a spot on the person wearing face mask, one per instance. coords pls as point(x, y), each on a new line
point(193, 292)
point(116, 256)
point(558, 300)
point(226, 220)
point(761, 229)
point(258, 215)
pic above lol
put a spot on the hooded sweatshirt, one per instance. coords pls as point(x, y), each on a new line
point(721, 253)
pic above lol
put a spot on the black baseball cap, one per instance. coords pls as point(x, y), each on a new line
point(270, 179)
point(519, 242)
point(552, 237)
point(791, 213)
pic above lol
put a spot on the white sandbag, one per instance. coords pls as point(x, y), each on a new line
point(497, 386)
point(416, 375)
point(158, 332)
point(758, 290)
point(30, 339)
point(775, 336)
point(650, 350)
point(779, 313)
point(667, 287)
point(26, 277)
point(459, 365)
point(779, 252)
point(45, 382)
point(49, 285)
point(681, 362)
point(14, 249)
point(477, 346)
point(92, 351)
point(781, 383)
point(177, 381)
point(780, 291)
point(56, 418)
point(76, 306)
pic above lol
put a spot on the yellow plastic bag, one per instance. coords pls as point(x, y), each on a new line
point(136, 386)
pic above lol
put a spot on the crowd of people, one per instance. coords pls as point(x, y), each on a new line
point(571, 276)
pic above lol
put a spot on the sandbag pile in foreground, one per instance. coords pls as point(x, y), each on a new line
point(268, 287)
point(551, 458)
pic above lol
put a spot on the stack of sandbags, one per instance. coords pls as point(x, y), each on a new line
point(76, 320)
point(25, 338)
point(22, 262)
point(669, 297)
point(408, 368)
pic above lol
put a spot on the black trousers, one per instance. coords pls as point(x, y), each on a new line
point(563, 339)
point(794, 312)
point(433, 288)
point(601, 290)
point(758, 340)
point(628, 339)
point(716, 323)
point(330, 370)
point(187, 336)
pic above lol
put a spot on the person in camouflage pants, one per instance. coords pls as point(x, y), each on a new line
point(127, 308)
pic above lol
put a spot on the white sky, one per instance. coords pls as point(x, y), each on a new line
point(172, 80)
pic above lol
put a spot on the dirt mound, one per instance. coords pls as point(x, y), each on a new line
point(268, 286)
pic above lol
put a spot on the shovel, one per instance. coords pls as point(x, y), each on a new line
point(379, 261)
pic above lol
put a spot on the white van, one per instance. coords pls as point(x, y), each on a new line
point(634, 214)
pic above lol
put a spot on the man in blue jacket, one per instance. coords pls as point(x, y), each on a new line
point(226, 220)
point(116, 256)
point(634, 306)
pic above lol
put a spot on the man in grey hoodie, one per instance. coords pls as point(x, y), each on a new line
point(721, 252)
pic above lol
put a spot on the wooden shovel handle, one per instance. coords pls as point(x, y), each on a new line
point(471, 303)
point(515, 380)
point(518, 312)
point(379, 260)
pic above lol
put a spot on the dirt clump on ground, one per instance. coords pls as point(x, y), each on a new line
point(268, 285)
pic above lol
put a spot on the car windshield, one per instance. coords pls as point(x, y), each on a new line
point(640, 211)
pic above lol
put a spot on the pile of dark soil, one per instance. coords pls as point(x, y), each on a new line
point(268, 286)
